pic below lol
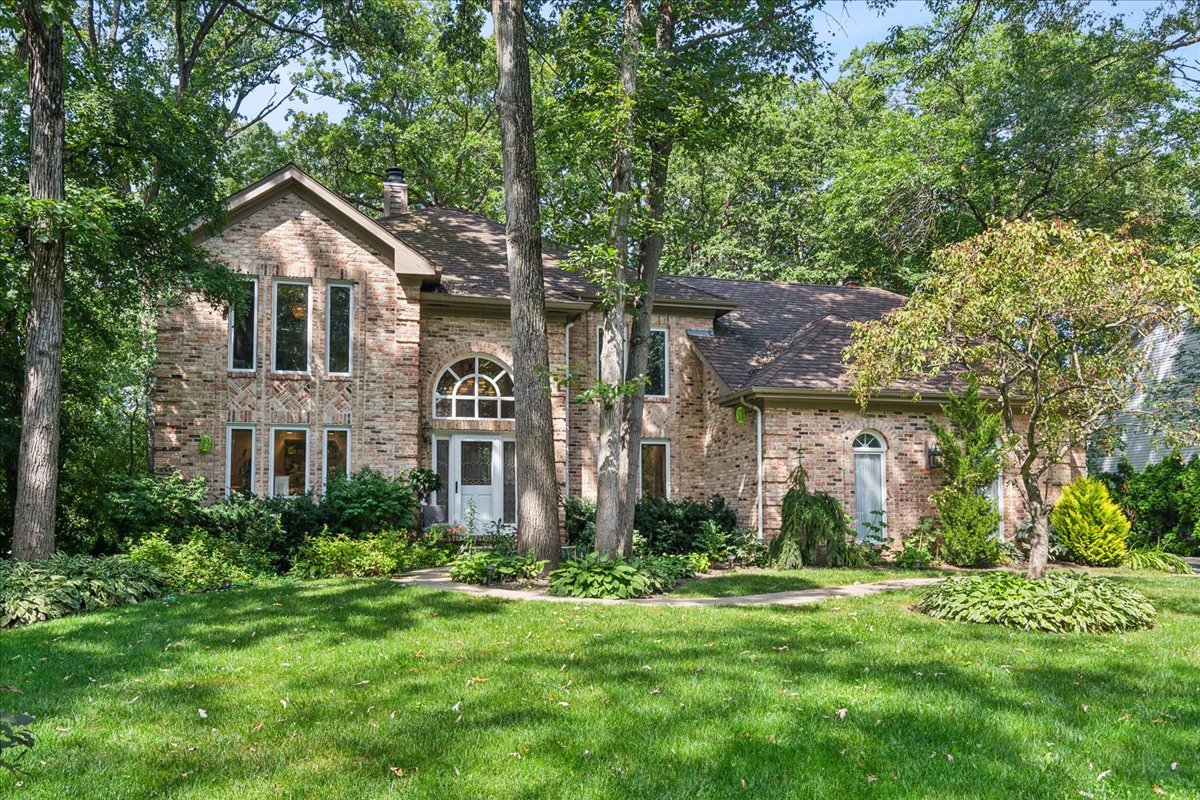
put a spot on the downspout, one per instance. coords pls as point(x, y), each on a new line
point(758, 436)
point(567, 430)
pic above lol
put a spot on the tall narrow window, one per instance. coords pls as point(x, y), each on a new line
point(655, 466)
point(870, 488)
point(656, 360)
point(510, 481)
point(239, 461)
point(243, 329)
point(339, 318)
point(292, 327)
point(337, 454)
point(441, 465)
point(289, 462)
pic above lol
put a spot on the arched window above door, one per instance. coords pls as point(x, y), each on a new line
point(475, 387)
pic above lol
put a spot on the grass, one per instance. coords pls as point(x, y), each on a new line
point(763, 581)
point(320, 689)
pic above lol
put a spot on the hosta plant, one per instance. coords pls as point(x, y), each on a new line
point(1062, 602)
point(504, 568)
point(1157, 560)
point(62, 585)
point(600, 576)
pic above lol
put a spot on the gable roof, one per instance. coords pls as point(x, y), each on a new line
point(291, 179)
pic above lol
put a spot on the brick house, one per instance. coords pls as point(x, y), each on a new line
point(385, 343)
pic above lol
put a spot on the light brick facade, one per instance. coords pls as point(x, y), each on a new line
point(400, 347)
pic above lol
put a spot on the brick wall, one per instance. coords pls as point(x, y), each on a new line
point(198, 396)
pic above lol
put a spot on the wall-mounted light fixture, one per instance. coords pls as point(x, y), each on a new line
point(933, 456)
point(426, 432)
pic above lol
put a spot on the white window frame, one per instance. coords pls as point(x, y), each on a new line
point(271, 456)
point(329, 287)
point(501, 399)
point(625, 357)
point(325, 453)
point(254, 342)
point(882, 450)
point(229, 429)
point(275, 327)
point(667, 467)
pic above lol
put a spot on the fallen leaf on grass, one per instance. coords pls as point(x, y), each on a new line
point(476, 679)
point(203, 713)
point(399, 772)
point(841, 712)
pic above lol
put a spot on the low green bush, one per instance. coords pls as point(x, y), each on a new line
point(139, 506)
point(62, 585)
point(744, 547)
point(1156, 560)
point(675, 527)
point(1162, 502)
point(599, 576)
point(377, 555)
point(505, 568)
point(915, 556)
point(698, 562)
point(1090, 525)
point(664, 572)
point(199, 563)
point(1062, 602)
point(968, 530)
point(254, 526)
point(368, 501)
point(581, 523)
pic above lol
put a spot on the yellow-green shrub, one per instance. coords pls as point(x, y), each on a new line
point(1090, 525)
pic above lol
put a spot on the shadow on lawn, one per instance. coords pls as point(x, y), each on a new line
point(731, 695)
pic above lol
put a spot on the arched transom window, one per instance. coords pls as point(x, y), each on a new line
point(870, 487)
point(475, 387)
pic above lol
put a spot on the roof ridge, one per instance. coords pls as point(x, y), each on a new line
point(789, 349)
point(784, 284)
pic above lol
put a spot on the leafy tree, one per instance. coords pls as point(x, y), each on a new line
point(1047, 317)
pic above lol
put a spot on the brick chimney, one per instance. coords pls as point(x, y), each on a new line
point(395, 192)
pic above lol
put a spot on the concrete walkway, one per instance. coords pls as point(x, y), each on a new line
point(1195, 562)
point(439, 578)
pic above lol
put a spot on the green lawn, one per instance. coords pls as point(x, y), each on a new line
point(763, 581)
point(316, 690)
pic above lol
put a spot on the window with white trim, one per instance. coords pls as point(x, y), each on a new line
point(475, 387)
point(336, 459)
point(239, 459)
point(657, 361)
point(656, 469)
point(339, 325)
point(289, 462)
point(292, 326)
point(243, 330)
point(870, 487)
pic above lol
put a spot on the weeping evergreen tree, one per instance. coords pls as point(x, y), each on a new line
point(814, 529)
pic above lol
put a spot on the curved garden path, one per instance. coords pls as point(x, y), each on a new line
point(439, 578)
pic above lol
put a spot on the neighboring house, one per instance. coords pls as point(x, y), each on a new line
point(386, 344)
point(1172, 373)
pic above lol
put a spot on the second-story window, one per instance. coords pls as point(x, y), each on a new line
point(656, 360)
point(339, 319)
point(293, 326)
point(243, 329)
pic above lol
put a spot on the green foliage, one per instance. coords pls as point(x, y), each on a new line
point(744, 547)
point(505, 568)
point(374, 555)
point(370, 501)
point(1090, 525)
point(599, 576)
point(1162, 502)
point(198, 563)
point(814, 529)
point(423, 481)
point(684, 526)
point(921, 545)
point(254, 525)
point(968, 527)
point(698, 562)
point(138, 506)
point(1063, 602)
point(1156, 560)
point(62, 585)
point(581, 523)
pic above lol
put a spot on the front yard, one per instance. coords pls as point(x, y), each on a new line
point(362, 689)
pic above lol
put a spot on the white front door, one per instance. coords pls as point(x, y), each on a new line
point(477, 468)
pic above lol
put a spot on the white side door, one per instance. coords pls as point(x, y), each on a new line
point(478, 476)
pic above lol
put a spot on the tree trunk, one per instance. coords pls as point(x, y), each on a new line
point(650, 252)
point(613, 536)
point(37, 477)
point(536, 480)
point(1039, 543)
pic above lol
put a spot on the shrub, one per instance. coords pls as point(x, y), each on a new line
point(581, 522)
point(744, 546)
point(377, 555)
point(1162, 502)
point(1062, 602)
point(915, 557)
point(814, 529)
point(142, 505)
point(698, 562)
point(664, 572)
point(677, 526)
point(370, 501)
point(968, 528)
point(599, 576)
point(1156, 560)
point(473, 568)
point(1090, 525)
point(254, 526)
point(920, 545)
point(301, 516)
point(62, 585)
point(198, 564)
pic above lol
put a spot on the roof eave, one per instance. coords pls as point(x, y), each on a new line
point(768, 393)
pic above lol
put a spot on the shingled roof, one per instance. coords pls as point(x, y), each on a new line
point(766, 335)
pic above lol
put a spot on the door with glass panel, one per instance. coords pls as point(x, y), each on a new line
point(482, 480)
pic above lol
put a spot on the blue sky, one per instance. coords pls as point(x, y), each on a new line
point(845, 26)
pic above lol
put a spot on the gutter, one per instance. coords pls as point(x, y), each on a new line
point(567, 430)
point(758, 435)
point(768, 393)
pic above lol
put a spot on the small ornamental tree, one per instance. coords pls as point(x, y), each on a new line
point(1048, 317)
point(1090, 525)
